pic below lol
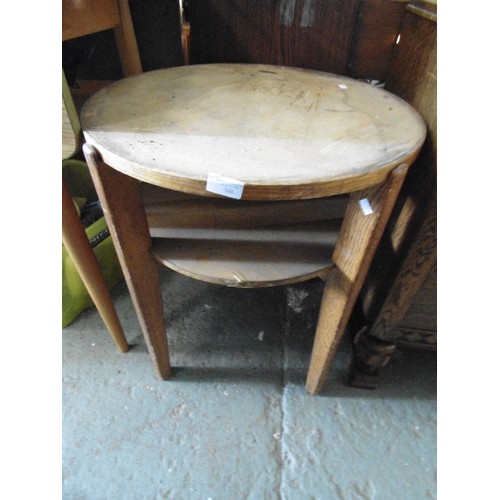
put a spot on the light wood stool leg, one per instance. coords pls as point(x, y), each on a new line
point(354, 251)
point(124, 212)
point(126, 42)
point(78, 247)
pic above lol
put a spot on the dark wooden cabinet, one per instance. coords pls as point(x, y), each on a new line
point(398, 300)
point(349, 37)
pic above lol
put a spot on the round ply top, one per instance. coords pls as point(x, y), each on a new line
point(285, 133)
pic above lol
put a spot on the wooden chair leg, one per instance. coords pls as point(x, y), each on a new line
point(78, 247)
point(122, 204)
point(354, 251)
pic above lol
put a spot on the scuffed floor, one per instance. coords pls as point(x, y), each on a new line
point(235, 422)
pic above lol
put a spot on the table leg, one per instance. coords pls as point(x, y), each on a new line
point(358, 239)
point(122, 204)
point(370, 355)
point(78, 247)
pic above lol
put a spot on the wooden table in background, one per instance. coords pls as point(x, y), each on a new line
point(312, 164)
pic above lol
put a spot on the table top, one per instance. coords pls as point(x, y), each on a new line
point(282, 133)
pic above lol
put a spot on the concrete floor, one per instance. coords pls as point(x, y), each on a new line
point(235, 422)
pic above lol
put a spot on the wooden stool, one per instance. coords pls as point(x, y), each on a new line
point(80, 18)
point(270, 175)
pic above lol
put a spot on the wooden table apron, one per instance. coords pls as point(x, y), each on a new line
point(283, 134)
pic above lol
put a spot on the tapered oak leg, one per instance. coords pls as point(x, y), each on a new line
point(124, 212)
point(78, 247)
point(354, 251)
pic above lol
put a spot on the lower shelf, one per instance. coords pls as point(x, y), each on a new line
point(261, 257)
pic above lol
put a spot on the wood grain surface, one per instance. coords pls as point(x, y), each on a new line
point(312, 34)
point(250, 258)
point(286, 133)
point(170, 209)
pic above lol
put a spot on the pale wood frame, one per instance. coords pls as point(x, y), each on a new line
point(84, 17)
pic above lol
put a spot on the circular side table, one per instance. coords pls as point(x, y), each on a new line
point(248, 175)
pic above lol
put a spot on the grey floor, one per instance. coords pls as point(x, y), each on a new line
point(235, 422)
